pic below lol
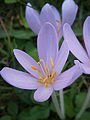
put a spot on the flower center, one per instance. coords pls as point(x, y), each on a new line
point(46, 75)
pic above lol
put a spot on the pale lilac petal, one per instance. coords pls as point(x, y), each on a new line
point(67, 78)
point(26, 61)
point(56, 14)
point(74, 45)
point(47, 42)
point(62, 57)
point(42, 94)
point(33, 19)
point(84, 67)
point(47, 15)
point(86, 33)
point(19, 79)
point(69, 11)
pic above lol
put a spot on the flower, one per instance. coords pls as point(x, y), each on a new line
point(44, 76)
point(50, 14)
point(83, 55)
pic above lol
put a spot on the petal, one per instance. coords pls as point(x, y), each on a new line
point(62, 57)
point(47, 42)
point(74, 45)
point(19, 79)
point(26, 61)
point(42, 94)
point(67, 78)
point(86, 33)
point(56, 14)
point(69, 11)
point(47, 15)
point(84, 67)
point(32, 17)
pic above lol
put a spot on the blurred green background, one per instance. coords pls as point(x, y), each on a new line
point(17, 104)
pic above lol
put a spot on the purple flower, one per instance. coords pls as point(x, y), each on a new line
point(50, 14)
point(45, 76)
point(83, 55)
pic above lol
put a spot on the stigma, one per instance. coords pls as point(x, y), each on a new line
point(46, 73)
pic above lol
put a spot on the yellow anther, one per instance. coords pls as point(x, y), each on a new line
point(47, 67)
point(51, 61)
point(53, 75)
point(34, 68)
point(46, 75)
point(45, 79)
point(44, 68)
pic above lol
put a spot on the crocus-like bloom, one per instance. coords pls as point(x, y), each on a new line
point(50, 14)
point(45, 76)
point(83, 55)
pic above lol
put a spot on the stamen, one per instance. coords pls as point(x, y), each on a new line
point(51, 61)
point(47, 69)
point(53, 75)
point(34, 68)
point(41, 67)
point(46, 75)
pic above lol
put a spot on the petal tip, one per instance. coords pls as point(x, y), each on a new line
point(28, 4)
point(3, 71)
point(15, 51)
point(66, 26)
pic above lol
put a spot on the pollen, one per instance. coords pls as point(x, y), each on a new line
point(51, 61)
point(46, 74)
point(34, 68)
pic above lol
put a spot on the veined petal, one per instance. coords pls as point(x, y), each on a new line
point(19, 79)
point(62, 57)
point(33, 20)
point(26, 61)
point(85, 67)
point(47, 15)
point(47, 42)
point(67, 78)
point(86, 33)
point(42, 94)
point(69, 11)
point(74, 45)
point(56, 14)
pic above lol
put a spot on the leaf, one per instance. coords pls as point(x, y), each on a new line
point(79, 100)
point(36, 113)
point(85, 116)
point(12, 108)
point(24, 115)
point(6, 117)
point(10, 1)
point(52, 107)
point(19, 34)
point(69, 108)
point(39, 112)
point(24, 95)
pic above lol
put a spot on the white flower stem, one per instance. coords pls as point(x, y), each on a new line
point(55, 101)
point(84, 105)
point(62, 103)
